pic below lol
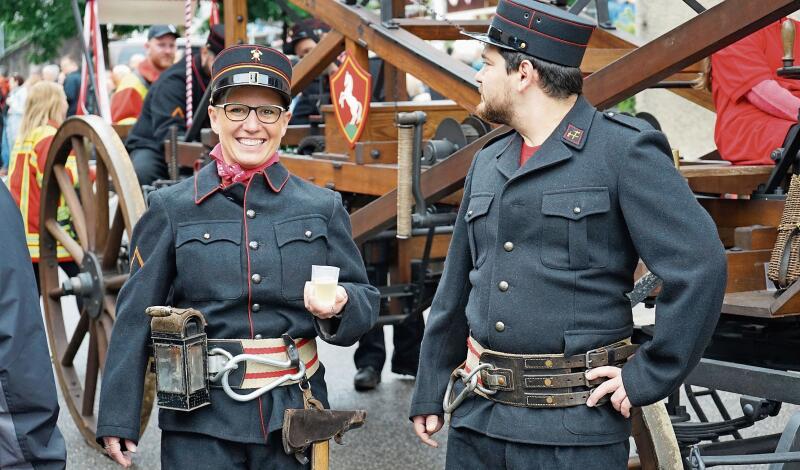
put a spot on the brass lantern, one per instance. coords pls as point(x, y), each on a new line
point(180, 351)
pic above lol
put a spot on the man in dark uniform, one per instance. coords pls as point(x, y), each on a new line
point(165, 106)
point(236, 241)
point(303, 37)
point(29, 438)
point(556, 213)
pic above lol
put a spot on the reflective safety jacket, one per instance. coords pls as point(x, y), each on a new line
point(127, 100)
point(25, 175)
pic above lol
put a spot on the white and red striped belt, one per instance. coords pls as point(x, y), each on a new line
point(256, 358)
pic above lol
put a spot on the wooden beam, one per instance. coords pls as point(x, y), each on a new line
point(359, 53)
point(313, 64)
point(235, 12)
point(690, 42)
point(430, 29)
point(447, 75)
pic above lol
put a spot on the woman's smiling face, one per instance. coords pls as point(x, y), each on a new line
point(249, 142)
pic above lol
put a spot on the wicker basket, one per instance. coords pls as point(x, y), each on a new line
point(784, 264)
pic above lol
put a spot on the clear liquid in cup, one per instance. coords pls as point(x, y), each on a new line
point(325, 291)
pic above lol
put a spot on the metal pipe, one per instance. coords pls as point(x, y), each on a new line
point(79, 25)
point(417, 232)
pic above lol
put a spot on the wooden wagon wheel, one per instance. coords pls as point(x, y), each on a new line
point(100, 230)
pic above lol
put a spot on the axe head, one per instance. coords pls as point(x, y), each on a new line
point(302, 428)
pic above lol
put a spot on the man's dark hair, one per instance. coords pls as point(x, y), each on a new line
point(557, 81)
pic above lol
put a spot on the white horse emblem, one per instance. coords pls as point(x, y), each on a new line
point(346, 97)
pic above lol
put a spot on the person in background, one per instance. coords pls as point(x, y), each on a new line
point(303, 37)
point(165, 106)
point(135, 60)
point(72, 83)
point(28, 430)
point(755, 107)
point(118, 73)
point(15, 107)
point(45, 110)
point(128, 97)
point(51, 73)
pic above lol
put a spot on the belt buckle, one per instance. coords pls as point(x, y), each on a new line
point(587, 361)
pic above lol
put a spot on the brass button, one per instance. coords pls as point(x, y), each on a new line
point(308, 234)
point(256, 307)
point(500, 326)
point(256, 278)
point(508, 246)
point(469, 212)
point(576, 210)
point(257, 337)
point(251, 214)
point(501, 381)
point(206, 235)
point(549, 400)
point(548, 363)
point(548, 382)
point(503, 286)
point(253, 245)
point(522, 45)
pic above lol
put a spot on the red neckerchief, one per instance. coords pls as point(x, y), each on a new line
point(231, 173)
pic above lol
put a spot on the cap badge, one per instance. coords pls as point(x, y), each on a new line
point(255, 55)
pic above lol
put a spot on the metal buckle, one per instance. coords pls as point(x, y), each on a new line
point(587, 361)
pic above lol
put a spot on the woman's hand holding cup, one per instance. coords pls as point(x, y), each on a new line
point(323, 297)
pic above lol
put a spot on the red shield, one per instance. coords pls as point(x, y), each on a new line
point(350, 94)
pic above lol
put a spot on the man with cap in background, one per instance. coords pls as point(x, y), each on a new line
point(303, 37)
point(236, 241)
point(531, 309)
point(165, 105)
point(160, 48)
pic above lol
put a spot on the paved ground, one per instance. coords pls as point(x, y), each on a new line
point(386, 442)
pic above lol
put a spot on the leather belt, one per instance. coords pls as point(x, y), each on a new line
point(540, 380)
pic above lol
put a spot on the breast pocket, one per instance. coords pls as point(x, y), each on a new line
point(302, 242)
point(208, 259)
point(475, 218)
point(574, 228)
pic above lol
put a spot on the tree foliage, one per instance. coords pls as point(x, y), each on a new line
point(45, 23)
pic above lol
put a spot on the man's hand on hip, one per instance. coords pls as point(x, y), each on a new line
point(614, 385)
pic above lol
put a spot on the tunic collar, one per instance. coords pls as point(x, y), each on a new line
point(571, 134)
point(207, 180)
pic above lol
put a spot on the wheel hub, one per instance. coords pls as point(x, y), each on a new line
point(88, 284)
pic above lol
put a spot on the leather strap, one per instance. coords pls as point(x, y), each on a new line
point(515, 379)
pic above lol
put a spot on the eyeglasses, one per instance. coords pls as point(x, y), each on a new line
point(268, 113)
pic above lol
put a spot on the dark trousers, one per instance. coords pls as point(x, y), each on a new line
point(184, 450)
point(407, 339)
point(149, 165)
point(467, 449)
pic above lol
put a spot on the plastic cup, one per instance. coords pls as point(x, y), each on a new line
point(324, 279)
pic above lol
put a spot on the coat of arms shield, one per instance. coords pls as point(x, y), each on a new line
point(351, 88)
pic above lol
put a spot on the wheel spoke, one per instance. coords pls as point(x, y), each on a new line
point(101, 191)
point(74, 204)
point(85, 186)
point(113, 241)
point(110, 305)
point(75, 342)
point(62, 236)
point(92, 372)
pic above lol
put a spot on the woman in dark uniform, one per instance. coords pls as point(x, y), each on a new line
point(237, 242)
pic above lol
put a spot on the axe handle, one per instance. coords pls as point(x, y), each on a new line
point(320, 458)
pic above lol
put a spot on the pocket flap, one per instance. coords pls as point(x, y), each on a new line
point(580, 341)
point(478, 206)
point(306, 228)
point(209, 231)
point(575, 204)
